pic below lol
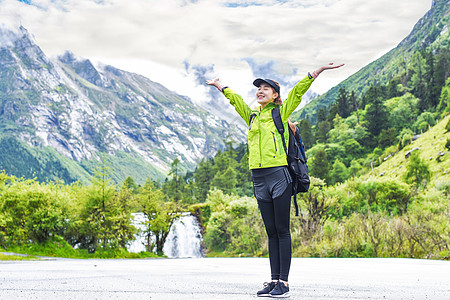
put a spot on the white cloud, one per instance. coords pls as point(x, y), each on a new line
point(155, 38)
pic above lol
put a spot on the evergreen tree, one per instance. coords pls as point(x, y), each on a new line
point(174, 170)
point(173, 188)
point(319, 165)
point(130, 184)
point(432, 89)
point(388, 137)
point(442, 68)
point(241, 151)
point(355, 105)
point(376, 116)
point(417, 69)
point(373, 94)
point(334, 110)
point(444, 101)
point(392, 89)
point(306, 133)
point(96, 224)
point(322, 114)
point(343, 103)
point(203, 177)
point(225, 180)
point(244, 178)
point(321, 131)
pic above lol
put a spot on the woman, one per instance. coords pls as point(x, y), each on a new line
point(272, 183)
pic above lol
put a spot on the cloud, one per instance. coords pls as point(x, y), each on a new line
point(7, 36)
point(240, 39)
point(200, 75)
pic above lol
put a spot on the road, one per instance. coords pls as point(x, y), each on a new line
point(223, 278)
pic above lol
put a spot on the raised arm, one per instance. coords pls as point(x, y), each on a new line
point(295, 95)
point(236, 100)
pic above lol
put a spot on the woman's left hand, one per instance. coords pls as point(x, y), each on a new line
point(329, 67)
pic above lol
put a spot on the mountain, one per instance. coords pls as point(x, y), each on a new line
point(60, 118)
point(432, 31)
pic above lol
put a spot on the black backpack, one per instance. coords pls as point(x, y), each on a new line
point(296, 158)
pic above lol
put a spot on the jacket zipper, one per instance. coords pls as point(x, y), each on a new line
point(275, 142)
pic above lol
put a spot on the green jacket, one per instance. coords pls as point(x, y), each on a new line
point(265, 145)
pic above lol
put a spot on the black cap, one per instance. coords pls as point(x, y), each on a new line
point(270, 82)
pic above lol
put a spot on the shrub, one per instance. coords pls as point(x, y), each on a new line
point(417, 171)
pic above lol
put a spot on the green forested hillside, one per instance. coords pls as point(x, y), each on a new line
point(45, 163)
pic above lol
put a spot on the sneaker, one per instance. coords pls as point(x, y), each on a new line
point(280, 291)
point(268, 287)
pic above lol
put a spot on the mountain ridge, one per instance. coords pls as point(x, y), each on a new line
point(81, 110)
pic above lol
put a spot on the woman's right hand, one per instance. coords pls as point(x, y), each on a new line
point(214, 82)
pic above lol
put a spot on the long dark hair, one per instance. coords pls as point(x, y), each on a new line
point(278, 99)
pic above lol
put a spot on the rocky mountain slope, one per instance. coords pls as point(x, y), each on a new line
point(88, 112)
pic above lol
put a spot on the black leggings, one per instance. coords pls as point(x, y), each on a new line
point(272, 189)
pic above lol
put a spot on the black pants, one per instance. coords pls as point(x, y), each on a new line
point(272, 188)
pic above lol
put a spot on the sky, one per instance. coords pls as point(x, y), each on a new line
point(181, 43)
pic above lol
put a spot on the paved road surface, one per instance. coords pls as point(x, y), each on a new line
point(223, 278)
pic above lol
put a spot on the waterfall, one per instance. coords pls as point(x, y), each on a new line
point(138, 245)
point(184, 239)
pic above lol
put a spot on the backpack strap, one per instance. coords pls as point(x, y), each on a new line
point(276, 116)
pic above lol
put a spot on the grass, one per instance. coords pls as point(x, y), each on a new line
point(58, 247)
point(5, 257)
point(230, 254)
point(430, 143)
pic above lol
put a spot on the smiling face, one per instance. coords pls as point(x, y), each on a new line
point(265, 94)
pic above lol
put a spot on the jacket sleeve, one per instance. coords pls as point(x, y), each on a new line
point(241, 107)
point(295, 97)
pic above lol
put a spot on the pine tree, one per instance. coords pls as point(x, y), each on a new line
point(319, 165)
point(417, 70)
point(321, 131)
point(129, 183)
point(203, 177)
point(173, 187)
point(355, 105)
point(373, 93)
point(322, 114)
point(225, 180)
point(343, 103)
point(96, 214)
point(376, 116)
point(388, 137)
point(306, 133)
point(244, 183)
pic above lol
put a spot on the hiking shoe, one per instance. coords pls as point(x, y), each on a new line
point(268, 287)
point(280, 291)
